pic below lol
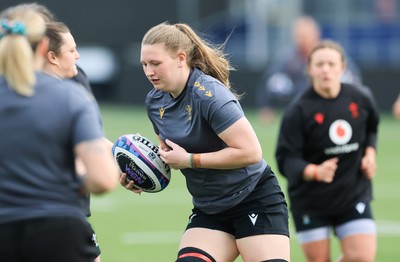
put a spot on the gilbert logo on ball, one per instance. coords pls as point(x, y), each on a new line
point(138, 157)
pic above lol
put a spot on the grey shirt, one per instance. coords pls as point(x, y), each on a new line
point(193, 120)
point(38, 133)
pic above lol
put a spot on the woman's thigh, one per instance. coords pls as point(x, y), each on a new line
point(264, 247)
point(220, 245)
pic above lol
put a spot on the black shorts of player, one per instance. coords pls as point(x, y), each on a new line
point(93, 240)
point(259, 214)
point(306, 222)
point(49, 239)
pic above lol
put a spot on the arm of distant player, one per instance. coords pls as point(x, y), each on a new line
point(368, 162)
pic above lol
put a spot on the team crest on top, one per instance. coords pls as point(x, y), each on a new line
point(161, 111)
point(353, 107)
point(319, 118)
point(189, 112)
point(340, 132)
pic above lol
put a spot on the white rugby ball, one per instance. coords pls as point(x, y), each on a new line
point(138, 158)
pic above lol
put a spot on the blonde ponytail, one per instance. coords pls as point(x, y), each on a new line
point(19, 35)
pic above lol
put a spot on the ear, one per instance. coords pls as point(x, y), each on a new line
point(43, 47)
point(181, 59)
point(51, 57)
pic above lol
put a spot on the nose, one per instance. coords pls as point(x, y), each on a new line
point(77, 55)
point(148, 71)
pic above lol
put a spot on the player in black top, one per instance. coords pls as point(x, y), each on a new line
point(239, 208)
point(326, 150)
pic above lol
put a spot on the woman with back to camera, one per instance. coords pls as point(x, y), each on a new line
point(326, 150)
point(239, 208)
point(46, 123)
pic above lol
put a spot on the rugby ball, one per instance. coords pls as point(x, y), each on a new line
point(138, 158)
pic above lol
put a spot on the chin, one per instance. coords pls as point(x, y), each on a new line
point(158, 87)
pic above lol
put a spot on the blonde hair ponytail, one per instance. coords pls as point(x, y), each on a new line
point(19, 35)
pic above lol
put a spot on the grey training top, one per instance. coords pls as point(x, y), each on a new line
point(38, 133)
point(193, 120)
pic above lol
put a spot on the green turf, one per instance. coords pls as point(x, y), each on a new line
point(148, 227)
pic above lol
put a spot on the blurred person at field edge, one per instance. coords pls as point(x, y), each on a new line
point(239, 208)
point(327, 151)
point(288, 78)
point(46, 123)
point(61, 63)
point(396, 108)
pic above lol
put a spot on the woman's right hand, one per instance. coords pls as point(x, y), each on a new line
point(327, 169)
point(129, 184)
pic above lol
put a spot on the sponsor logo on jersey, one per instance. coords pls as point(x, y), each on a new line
point(342, 149)
point(340, 132)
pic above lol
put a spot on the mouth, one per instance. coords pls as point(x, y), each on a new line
point(325, 79)
point(154, 81)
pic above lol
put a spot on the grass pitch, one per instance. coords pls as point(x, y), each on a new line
point(148, 227)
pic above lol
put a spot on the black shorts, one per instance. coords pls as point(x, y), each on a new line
point(93, 240)
point(61, 239)
point(306, 222)
point(255, 215)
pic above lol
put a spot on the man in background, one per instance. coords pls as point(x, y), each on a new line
point(287, 78)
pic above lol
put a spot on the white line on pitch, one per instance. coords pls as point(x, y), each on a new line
point(385, 229)
point(152, 237)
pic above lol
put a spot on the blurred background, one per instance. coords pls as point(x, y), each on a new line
point(108, 34)
point(259, 33)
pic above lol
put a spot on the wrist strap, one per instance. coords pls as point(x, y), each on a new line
point(315, 173)
point(196, 161)
point(191, 160)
